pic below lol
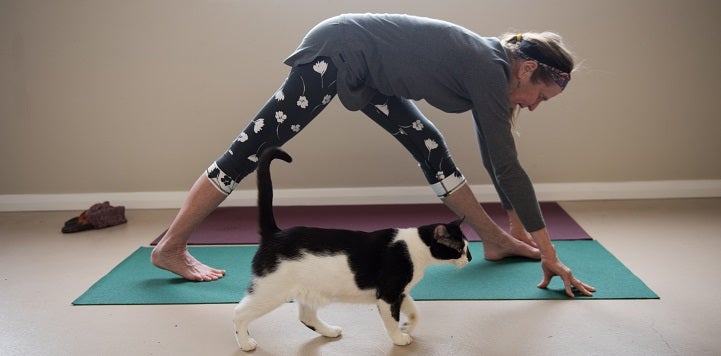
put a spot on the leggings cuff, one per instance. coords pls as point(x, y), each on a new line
point(448, 185)
point(221, 181)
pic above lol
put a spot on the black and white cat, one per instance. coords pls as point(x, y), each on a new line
point(318, 266)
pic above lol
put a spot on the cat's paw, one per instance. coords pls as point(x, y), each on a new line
point(331, 331)
point(402, 339)
point(408, 326)
point(247, 345)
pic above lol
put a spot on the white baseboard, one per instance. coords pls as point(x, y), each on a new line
point(372, 195)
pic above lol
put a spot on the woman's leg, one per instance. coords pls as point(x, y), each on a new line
point(171, 253)
point(306, 92)
point(402, 119)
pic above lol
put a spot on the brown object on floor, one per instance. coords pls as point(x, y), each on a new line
point(99, 216)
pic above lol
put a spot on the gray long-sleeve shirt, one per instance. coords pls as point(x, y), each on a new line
point(450, 67)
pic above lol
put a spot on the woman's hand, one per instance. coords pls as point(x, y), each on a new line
point(552, 266)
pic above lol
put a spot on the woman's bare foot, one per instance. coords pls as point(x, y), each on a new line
point(497, 244)
point(517, 230)
point(504, 245)
point(182, 263)
point(522, 235)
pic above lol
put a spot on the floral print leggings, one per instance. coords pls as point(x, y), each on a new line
point(306, 92)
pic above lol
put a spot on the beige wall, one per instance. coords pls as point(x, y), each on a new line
point(133, 96)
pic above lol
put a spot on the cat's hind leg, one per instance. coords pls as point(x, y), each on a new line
point(308, 315)
point(408, 308)
point(252, 307)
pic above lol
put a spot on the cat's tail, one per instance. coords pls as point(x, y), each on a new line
point(265, 189)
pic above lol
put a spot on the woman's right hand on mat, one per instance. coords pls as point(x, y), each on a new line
point(552, 266)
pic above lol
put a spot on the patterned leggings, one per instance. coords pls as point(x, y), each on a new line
point(306, 92)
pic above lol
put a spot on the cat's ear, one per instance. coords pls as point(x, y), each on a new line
point(440, 232)
point(460, 221)
point(443, 237)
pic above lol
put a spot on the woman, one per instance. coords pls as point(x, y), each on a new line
point(378, 64)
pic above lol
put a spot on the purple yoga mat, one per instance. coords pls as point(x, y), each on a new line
point(239, 225)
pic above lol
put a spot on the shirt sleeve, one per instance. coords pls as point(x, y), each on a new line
point(491, 115)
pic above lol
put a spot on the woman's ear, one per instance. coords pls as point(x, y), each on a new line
point(527, 69)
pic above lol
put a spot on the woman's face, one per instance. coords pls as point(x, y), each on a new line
point(528, 94)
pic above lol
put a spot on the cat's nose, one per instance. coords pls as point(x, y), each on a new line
point(468, 253)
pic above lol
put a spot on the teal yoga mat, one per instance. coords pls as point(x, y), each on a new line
point(136, 281)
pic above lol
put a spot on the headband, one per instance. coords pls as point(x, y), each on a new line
point(530, 51)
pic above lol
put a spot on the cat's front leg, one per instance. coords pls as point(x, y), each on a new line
point(390, 315)
point(408, 308)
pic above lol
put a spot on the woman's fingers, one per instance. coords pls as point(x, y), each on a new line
point(570, 282)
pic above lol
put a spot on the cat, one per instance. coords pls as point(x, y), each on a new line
point(319, 266)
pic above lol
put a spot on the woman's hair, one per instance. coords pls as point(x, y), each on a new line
point(546, 48)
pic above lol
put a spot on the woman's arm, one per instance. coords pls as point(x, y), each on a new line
point(493, 128)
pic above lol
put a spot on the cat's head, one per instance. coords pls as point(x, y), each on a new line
point(447, 243)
